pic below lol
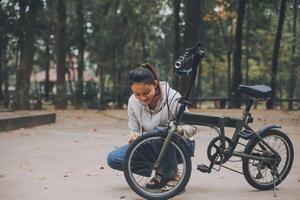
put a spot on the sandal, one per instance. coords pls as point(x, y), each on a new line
point(157, 182)
point(171, 183)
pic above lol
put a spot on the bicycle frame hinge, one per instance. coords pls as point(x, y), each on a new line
point(246, 134)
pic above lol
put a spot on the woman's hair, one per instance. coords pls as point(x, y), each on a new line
point(146, 73)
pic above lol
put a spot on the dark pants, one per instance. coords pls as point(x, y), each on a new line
point(149, 152)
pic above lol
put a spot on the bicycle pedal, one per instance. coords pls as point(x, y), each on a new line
point(203, 168)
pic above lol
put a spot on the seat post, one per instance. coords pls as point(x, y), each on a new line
point(249, 105)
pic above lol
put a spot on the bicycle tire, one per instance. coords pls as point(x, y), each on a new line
point(129, 175)
point(254, 181)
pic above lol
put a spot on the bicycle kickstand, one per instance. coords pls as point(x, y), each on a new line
point(275, 174)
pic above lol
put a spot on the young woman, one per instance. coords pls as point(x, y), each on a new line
point(151, 106)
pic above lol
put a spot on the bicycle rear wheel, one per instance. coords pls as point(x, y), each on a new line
point(259, 174)
point(139, 165)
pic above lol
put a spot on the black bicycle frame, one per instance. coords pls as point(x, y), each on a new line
point(220, 122)
point(215, 122)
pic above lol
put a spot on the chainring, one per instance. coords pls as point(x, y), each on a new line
point(214, 147)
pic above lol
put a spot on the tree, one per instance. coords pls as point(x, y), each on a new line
point(297, 70)
point(176, 36)
point(81, 47)
point(45, 54)
point(294, 58)
point(192, 32)
point(1, 68)
point(237, 57)
point(61, 101)
point(274, 66)
point(111, 37)
point(22, 95)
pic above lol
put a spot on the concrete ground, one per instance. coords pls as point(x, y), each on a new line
point(67, 160)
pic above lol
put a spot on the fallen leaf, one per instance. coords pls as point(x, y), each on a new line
point(122, 197)
point(22, 166)
point(42, 178)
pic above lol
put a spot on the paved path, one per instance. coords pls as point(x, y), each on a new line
point(67, 161)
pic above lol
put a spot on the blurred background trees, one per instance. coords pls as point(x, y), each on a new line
point(77, 53)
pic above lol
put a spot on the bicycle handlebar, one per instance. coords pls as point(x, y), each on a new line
point(194, 54)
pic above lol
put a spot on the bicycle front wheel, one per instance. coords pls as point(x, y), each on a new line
point(139, 166)
point(260, 175)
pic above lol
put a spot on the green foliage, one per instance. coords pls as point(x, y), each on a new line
point(120, 35)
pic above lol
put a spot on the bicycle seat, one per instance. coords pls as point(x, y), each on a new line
point(257, 91)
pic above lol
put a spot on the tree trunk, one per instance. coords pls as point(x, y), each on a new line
point(6, 83)
point(4, 71)
point(297, 85)
point(294, 58)
point(120, 93)
point(247, 44)
point(71, 78)
point(101, 85)
point(176, 39)
point(1, 68)
point(270, 104)
point(228, 45)
point(214, 85)
point(47, 68)
point(22, 97)
point(237, 57)
point(22, 12)
point(297, 72)
point(114, 55)
point(81, 47)
point(192, 33)
point(61, 100)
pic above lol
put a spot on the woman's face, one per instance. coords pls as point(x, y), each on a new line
point(144, 92)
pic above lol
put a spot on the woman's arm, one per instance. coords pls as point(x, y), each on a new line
point(185, 130)
point(133, 122)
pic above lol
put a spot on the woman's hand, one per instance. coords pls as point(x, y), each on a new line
point(132, 136)
point(180, 130)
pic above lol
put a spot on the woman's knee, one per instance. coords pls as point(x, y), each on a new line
point(114, 162)
point(109, 159)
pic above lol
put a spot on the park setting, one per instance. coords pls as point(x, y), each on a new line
point(168, 99)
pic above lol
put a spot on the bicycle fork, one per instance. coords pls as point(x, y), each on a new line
point(165, 146)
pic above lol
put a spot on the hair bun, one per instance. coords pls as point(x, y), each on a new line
point(151, 68)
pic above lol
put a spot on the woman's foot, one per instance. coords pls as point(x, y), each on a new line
point(172, 183)
point(157, 182)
